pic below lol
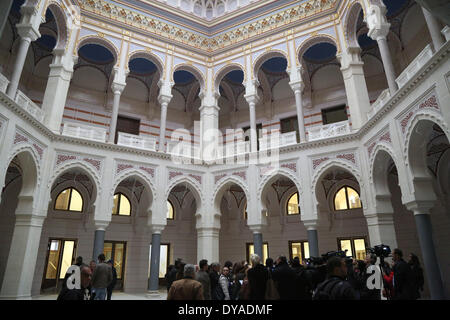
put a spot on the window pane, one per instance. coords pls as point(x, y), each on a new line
point(296, 249)
point(118, 259)
point(306, 249)
point(265, 253)
point(107, 250)
point(53, 258)
point(169, 210)
point(67, 255)
point(76, 203)
point(360, 249)
point(346, 245)
point(340, 202)
point(353, 198)
point(116, 204)
point(163, 260)
point(125, 206)
point(62, 201)
point(293, 204)
point(333, 115)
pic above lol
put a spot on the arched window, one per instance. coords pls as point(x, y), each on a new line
point(122, 205)
point(346, 198)
point(292, 205)
point(69, 200)
point(170, 211)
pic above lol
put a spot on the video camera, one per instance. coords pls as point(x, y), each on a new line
point(380, 250)
point(331, 254)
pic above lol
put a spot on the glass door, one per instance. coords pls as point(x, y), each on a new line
point(60, 256)
point(116, 251)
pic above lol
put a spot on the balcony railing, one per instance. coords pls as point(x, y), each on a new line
point(3, 83)
point(77, 130)
point(134, 141)
point(379, 103)
point(276, 140)
point(329, 130)
point(25, 103)
point(183, 149)
point(414, 66)
point(234, 149)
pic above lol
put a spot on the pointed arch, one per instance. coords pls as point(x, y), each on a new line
point(61, 24)
point(267, 55)
point(220, 190)
point(223, 71)
point(93, 39)
point(309, 42)
point(192, 69)
point(143, 54)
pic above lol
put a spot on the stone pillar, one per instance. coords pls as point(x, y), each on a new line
point(258, 245)
point(18, 66)
point(378, 30)
point(434, 29)
point(313, 239)
point(355, 86)
point(429, 256)
point(251, 95)
point(208, 243)
point(297, 87)
point(99, 238)
point(5, 8)
point(209, 126)
point(57, 88)
point(21, 264)
point(153, 281)
point(117, 89)
point(164, 101)
point(381, 229)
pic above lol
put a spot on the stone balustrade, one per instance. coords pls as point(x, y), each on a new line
point(379, 103)
point(25, 103)
point(4, 82)
point(77, 130)
point(329, 130)
point(134, 141)
point(412, 69)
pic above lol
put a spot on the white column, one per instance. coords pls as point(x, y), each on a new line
point(297, 87)
point(355, 86)
point(117, 90)
point(381, 229)
point(21, 264)
point(18, 66)
point(164, 101)
point(208, 243)
point(378, 30)
point(434, 29)
point(61, 71)
point(313, 238)
point(251, 95)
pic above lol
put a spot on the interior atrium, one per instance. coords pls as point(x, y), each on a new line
point(152, 130)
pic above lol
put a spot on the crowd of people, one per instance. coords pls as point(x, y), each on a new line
point(97, 281)
point(336, 278)
point(331, 278)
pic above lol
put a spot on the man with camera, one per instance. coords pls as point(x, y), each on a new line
point(335, 287)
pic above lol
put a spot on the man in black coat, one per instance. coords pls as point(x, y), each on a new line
point(284, 277)
point(171, 275)
point(214, 276)
point(402, 290)
point(81, 293)
point(257, 279)
point(111, 286)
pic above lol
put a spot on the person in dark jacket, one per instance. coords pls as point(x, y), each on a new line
point(302, 288)
point(335, 287)
point(214, 276)
point(238, 279)
point(416, 279)
point(257, 279)
point(402, 290)
point(171, 275)
point(81, 293)
point(101, 278)
point(111, 286)
point(284, 278)
point(269, 264)
point(202, 276)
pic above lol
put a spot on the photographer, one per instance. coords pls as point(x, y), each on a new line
point(335, 287)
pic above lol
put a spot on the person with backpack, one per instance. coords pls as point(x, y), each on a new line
point(335, 287)
point(416, 278)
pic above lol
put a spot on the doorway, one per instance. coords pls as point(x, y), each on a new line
point(116, 251)
point(60, 256)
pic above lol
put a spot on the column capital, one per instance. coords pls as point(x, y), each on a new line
point(27, 32)
point(157, 228)
point(379, 218)
point(165, 87)
point(164, 100)
point(420, 206)
point(297, 85)
point(310, 224)
point(118, 87)
point(251, 87)
point(31, 220)
point(377, 22)
point(256, 228)
point(252, 99)
point(295, 73)
point(101, 224)
point(208, 231)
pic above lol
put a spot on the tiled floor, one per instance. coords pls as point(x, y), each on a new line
point(115, 296)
